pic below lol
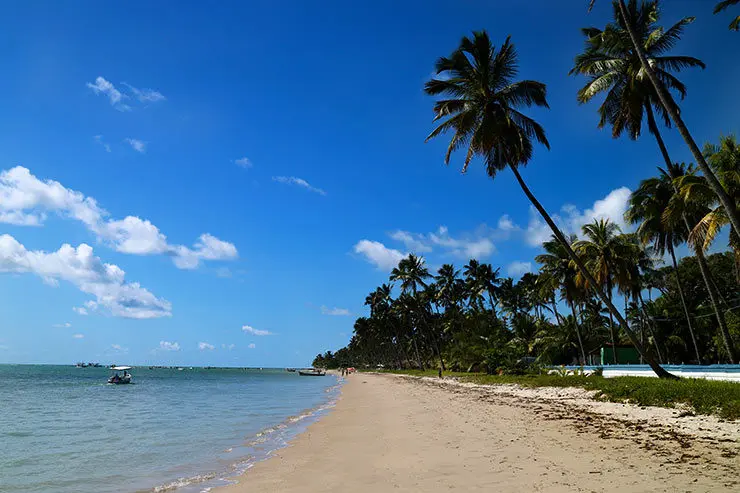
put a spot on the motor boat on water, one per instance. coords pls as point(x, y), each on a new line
point(120, 378)
point(312, 372)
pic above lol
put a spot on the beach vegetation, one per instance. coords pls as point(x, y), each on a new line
point(470, 318)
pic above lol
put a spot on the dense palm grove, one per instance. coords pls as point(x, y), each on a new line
point(681, 312)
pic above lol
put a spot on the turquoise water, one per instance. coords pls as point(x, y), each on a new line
point(63, 429)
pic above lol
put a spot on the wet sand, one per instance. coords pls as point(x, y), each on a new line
point(390, 433)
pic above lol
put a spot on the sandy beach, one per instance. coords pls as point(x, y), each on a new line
point(390, 433)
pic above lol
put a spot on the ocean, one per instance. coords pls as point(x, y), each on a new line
point(64, 429)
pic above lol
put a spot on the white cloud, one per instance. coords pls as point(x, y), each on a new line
point(78, 336)
point(116, 97)
point(505, 224)
point(25, 200)
point(252, 346)
point(224, 272)
point(102, 86)
point(203, 346)
point(99, 140)
point(256, 332)
point(517, 269)
point(292, 180)
point(79, 310)
point(118, 348)
point(145, 95)
point(243, 162)
point(538, 231)
point(376, 253)
point(570, 218)
point(462, 247)
point(475, 244)
point(136, 144)
point(207, 247)
point(413, 242)
point(65, 325)
point(337, 312)
point(88, 273)
point(229, 346)
point(168, 346)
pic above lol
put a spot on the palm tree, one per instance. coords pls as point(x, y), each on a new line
point(448, 286)
point(380, 303)
point(490, 281)
point(725, 162)
point(735, 24)
point(606, 255)
point(628, 20)
point(411, 273)
point(481, 109)
point(556, 265)
point(403, 308)
point(473, 282)
point(614, 68)
point(646, 208)
point(691, 202)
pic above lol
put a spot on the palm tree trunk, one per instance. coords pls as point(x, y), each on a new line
point(703, 267)
point(672, 110)
point(642, 337)
point(659, 371)
point(713, 295)
point(418, 358)
point(611, 335)
point(558, 318)
point(493, 307)
point(683, 303)
point(578, 333)
point(652, 329)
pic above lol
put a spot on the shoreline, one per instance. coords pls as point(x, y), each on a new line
point(421, 434)
point(260, 447)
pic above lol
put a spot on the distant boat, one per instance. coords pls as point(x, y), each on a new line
point(120, 379)
point(292, 370)
point(313, 372)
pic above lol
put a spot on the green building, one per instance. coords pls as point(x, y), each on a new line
point(626, 355)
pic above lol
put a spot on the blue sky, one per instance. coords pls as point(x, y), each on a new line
point(263, 165)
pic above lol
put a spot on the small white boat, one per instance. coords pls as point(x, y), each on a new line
point(313, 372)
point(118, 378)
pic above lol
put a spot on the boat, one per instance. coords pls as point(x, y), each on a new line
point(291, 370)
point(119, 379)
point(312, 372)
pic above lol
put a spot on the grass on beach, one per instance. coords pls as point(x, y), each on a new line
point(703, 396)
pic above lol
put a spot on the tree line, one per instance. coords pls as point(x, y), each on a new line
point(480, 104)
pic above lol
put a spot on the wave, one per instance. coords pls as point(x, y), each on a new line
point(182, 482)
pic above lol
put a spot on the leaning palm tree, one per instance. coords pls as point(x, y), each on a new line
point(627, 17)
point(481, 109)
point(613, 68)
point(735, 24)
point(646, 207)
